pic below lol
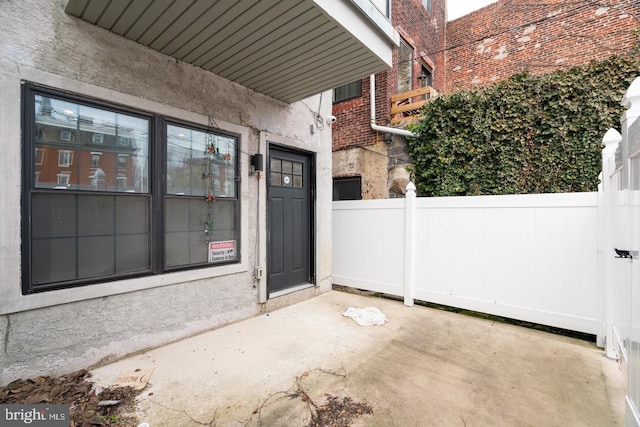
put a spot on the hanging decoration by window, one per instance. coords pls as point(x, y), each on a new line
point(209, 154)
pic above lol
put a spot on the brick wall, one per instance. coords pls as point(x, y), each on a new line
point(425, 33)
point(510, 36)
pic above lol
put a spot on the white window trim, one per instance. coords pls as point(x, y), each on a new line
point(96, 153)
point(67, 179)
point(65, 135)
point(40, 152)
point(96, 140)
point(13, 301)
point(61, 155)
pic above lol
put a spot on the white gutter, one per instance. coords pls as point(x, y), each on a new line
point(374, 126)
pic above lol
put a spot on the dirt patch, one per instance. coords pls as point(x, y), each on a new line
point(108, 407)
point(337, 412)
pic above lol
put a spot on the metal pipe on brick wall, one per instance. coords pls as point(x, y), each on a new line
point(374, 126)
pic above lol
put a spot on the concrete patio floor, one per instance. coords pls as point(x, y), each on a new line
point(424, 367)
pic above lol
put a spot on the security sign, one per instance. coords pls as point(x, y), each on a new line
point(222, 251)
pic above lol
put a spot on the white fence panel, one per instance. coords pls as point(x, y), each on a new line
point(368, 245)
point(527, 257)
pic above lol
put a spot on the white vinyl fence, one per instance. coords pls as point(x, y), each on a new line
point(620, 212)
point(527, 257)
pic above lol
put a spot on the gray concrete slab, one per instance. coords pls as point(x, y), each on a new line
point(423, 368)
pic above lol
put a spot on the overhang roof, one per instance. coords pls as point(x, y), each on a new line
point(288, 49)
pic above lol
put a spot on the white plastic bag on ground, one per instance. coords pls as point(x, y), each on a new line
point(366, 316)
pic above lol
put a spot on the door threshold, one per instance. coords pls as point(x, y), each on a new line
point(290, 290)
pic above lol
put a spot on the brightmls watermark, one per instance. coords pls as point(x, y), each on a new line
point(34, 415)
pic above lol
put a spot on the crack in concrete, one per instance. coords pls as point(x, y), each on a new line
point(6, 335)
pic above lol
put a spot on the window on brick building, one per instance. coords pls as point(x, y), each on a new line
point(428, 4)
point(405, 65)
point(425, 79)
point(348, 91)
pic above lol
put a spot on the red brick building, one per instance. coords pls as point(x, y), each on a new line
point(370, 162)
point(510, 36)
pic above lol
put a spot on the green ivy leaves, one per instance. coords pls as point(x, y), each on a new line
point(526, 134)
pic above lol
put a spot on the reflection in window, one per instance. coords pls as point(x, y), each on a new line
point(95, 159)
point(197, 159)
point(201, 202)
point(63, 179)
point(65, 158)
point(79, 128)
point(90, 212)
point(405, 66)
point(39, 156)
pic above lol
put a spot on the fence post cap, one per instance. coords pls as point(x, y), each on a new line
point(611, 140)
point(411, 187)
point(632, 95)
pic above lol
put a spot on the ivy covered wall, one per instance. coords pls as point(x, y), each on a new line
point(527, 134)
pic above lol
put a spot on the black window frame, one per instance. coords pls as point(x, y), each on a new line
point(156, 190)
point(347, 181)
point(351, 94)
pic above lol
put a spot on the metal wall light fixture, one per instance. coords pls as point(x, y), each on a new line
point(257, 161)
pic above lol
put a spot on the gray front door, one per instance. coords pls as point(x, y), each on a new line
point(289, 217)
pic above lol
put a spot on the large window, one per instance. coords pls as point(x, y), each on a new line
point(153, 199)
point(405, 67)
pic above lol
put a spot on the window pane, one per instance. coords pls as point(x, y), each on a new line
point(189, 231)
point(132, 253)
point(347, 189)
point(297, 168)
point(287, 166)
point(84, 236)
point(405, 64)
point(95, 215)
point(96, 256)
point(348, 91)
point(200, 163)
point(66, 137)
point(53, 260)
point(276, 178)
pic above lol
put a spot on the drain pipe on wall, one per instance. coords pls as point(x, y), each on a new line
point(374, 126)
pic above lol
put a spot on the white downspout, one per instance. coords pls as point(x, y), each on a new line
point(374, 126)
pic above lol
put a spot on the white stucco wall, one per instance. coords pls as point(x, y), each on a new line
point(59, 331)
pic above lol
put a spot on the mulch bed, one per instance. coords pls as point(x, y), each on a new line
point(87, 409)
